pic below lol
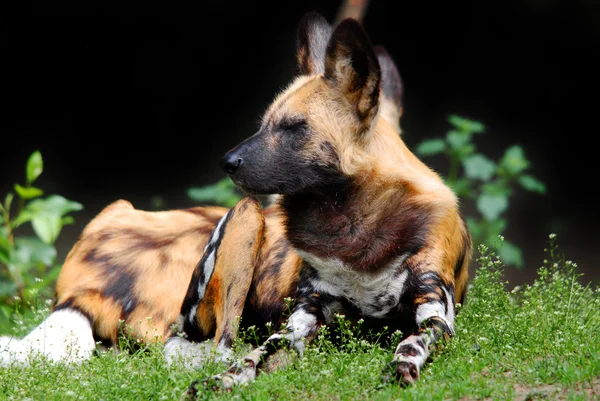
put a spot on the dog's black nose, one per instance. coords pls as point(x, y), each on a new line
point(231, 162)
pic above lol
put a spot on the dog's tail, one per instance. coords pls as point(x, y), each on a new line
point(352, 9)
point(65, 336)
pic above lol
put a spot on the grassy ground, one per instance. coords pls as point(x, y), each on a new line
point(541, 341)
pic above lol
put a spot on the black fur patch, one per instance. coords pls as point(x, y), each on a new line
point(121, 290)
point(119, 278)
point(408, 350)
point(199, 278)
point(331, 223)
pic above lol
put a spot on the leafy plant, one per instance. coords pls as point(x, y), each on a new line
point(490, 184)
point(28, 263)
point(223, 192)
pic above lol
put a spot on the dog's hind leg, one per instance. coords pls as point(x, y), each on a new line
point(217, 292)
point(65, 336)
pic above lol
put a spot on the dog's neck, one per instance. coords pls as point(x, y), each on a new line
point(365, 228)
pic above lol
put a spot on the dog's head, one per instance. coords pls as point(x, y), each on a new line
point(311, 134)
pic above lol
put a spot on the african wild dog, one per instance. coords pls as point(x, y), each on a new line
point(379, 234)
point(359, 226)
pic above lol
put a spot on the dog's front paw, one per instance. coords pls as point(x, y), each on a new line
point(402, 372)
point(215, 383)
point(238, 374)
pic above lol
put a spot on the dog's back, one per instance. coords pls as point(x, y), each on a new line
point(130, 268)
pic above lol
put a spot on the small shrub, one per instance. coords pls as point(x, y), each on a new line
point(28, 265)
point(475, 177)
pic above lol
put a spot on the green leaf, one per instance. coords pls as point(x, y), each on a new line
point(8, 201)
point(47, 226)
point(510, 254)
point(485, 232)
point(479, 167)
point(532, 184)
point(23, 217)
point(30, 251)
point(495, 228)
point(430, 147)
point(462, 187)
point(513, 162)
point(223, 193)
point(467, 125)
point(496, 188)
point(35, 166)
point(29, 192)
point(5, 250)
point(476, 228)
point(458, 139)
point(54, 204)
point(67, 220)
point(491, 206)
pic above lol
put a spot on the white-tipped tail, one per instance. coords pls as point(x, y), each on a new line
point(65, 336)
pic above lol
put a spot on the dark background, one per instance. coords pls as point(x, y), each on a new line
point(138, 101)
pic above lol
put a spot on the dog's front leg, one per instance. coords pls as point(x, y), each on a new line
point(302, 327)
point(433, 305)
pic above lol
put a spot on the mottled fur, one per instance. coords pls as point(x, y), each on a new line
point(379, 234)
point(359, 225)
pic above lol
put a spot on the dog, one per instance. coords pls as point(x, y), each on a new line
point(379, 234)
point(358, 225)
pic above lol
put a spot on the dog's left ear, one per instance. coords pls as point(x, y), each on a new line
point(351, 66)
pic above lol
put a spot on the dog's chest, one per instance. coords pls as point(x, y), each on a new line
point(374, 294)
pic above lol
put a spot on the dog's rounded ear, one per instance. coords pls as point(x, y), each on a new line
point(313, 35)
point(351, 65)
point(391, 86)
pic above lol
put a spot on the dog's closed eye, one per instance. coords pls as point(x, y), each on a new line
point(292, 126)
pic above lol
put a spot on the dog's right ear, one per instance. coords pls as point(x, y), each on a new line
point(313, 35)
point(391, 86)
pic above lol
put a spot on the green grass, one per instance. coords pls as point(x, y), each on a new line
point(539, 342)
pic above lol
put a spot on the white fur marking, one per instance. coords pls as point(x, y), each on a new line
point(375, 294)
point(209, 263)
point(192, 315)
point(450, 308)
point(417, 360)
point(300, 324)
point(209, 266)
point(430, 309)
point(65, 336)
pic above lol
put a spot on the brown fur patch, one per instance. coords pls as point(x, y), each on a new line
point(156, 251)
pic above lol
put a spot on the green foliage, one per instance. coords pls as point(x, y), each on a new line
point(224, 193)
point(489, 184)
point(28, 265)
